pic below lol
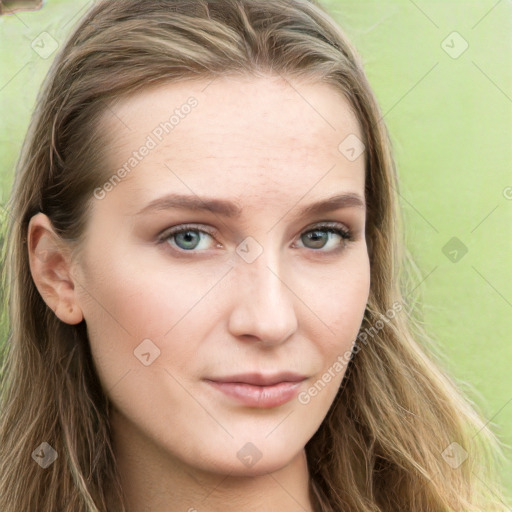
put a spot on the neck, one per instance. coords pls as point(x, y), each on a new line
point(153, 480)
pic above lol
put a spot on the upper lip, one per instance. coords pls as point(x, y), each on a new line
point(258, 379)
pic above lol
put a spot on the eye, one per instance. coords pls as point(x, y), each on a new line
point(320, 236)
point(188, 238)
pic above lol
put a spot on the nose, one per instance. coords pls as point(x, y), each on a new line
point(263, 309)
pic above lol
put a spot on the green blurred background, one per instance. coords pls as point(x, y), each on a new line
point(442, 72)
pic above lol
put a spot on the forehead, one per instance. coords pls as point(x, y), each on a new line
point(240, 134)
point(270, 101)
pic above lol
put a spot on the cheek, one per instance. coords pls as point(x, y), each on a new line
point(140, 300)
point(341, 311)
point(339, 299)
point(123, 306)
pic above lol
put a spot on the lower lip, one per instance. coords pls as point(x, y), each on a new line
point(263, 397)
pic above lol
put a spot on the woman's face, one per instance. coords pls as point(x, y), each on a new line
point(255, 289)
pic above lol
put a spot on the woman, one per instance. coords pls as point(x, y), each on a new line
point(205, 265)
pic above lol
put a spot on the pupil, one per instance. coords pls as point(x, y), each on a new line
point(317, 237)
point(188, 237)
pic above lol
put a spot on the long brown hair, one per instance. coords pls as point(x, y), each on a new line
point(382, 446)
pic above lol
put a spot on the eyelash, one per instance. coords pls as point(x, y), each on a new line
point(331, 227)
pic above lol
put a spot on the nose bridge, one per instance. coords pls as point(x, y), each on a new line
point(263, 304)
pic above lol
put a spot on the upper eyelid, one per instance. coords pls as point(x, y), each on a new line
point(212, 231)
point(179, 228)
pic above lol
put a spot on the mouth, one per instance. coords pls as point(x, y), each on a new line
point(257, 390)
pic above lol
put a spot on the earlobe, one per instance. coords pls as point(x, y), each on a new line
point(49, 261)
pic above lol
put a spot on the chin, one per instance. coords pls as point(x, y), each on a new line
point(250, 461)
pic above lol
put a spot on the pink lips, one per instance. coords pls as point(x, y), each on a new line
point(256, 390)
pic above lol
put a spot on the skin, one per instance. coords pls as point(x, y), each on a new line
point(271, 146)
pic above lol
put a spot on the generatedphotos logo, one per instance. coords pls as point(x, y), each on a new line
point(343, 359)
point(156, 136)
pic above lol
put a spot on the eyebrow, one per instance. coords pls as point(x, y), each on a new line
point(229, 209)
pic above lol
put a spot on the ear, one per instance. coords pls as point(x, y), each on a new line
point(50, 265)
